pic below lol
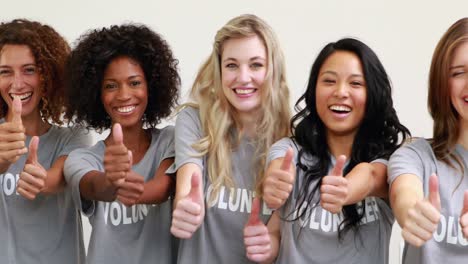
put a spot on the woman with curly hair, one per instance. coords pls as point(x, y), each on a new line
point(346, 126)
point(124, 77)
point(240, 107)
point(38, 222)
point(428, 177)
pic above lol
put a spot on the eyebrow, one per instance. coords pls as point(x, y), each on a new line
point(456, 67)
point(129, 77)
point(334, 73)
point(251, 59)
point(25, 65)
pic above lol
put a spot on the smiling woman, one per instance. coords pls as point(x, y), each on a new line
point(32, 60)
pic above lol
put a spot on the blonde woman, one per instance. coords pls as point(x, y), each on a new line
point(240, 107)
point(428, 178)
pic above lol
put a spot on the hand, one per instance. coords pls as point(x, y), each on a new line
point(279, 183)
point(464, 216)
point(12, 138)
point(33, 177)
point(256, 237)
point(130, 191)
point(423, 217)
point(116, 158)
point(334, 189)
point(189, 211)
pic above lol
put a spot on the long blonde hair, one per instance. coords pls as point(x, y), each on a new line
point(218, 117)
point(445, 116)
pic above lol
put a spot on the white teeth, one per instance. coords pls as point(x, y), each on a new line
point(126, 109)
point(466, 99)
point(21, 96)
point(341, 108)
point(244, 91)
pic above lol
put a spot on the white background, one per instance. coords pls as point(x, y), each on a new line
point(402, 33)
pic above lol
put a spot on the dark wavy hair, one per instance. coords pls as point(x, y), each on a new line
point(89, 59)
point(378, 136)
point(50, 51)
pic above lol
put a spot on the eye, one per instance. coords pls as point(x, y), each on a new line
point(357, 84)
point(108, 86)
point(30, 70)
point(231, 66)
point(329, 81)
point(135, 83)
point(256, 65)
point(4, 72)
point(457, 73)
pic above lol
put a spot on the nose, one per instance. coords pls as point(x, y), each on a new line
point(123, 93)
point(342, 90)
point(18, 81)
point(244, 74)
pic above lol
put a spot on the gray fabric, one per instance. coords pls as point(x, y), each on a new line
point(220, 237)
point(120, 234)
point(447, 244)
point(47, 229)
point(314, 237)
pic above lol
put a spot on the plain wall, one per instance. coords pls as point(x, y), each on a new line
point(402, 33)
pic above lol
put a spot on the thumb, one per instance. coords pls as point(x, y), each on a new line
point(465, 203)
point(117, 134)
point(194, 193)
point(287, 159)
point(254, 214)
point(130, 157)
point(16, 110)
point(434, 197)
point(339, 166)
point(32, 152)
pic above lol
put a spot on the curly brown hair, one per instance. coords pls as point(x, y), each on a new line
point(50, 51)
point(89, 59)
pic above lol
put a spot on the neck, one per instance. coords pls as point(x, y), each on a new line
point(33, 123)
point(248, 122)
point(340, 144)
point(135, 138)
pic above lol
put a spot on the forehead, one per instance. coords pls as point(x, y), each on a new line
point(343, 63)
point(244, 47)
point(123, 66)
point(460, 55)
point(16, 55)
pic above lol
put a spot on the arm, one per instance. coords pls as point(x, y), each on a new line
point(275, 236)
point(95, 186)
point(366, 179)
point(158, 189)
point(405, 191)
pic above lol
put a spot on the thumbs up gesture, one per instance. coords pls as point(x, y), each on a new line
point(12, 137)
point(334, 188)
point(132, 188)
point(33, 177)
point(189, 211)
point(116, 158)
point(423, 217)
point(256, 237)
point(278, 183)
point(464, 216)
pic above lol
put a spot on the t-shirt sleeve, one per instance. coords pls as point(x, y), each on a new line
point(76, 138)
point(383, 161)
point(188, 131)
point(408, 159)
point(278, 150)
point(78, 163)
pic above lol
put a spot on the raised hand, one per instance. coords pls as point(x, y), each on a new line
point(116, 158)
point(423, 217)
point(278, 183)
point(256, 237)
point(189, 211)
point(33, 177)
point(334, 188)
point(464, 215)
point(132, 188)
point(12, 138)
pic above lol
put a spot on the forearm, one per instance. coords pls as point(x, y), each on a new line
point(157, 190)
point(55, 182)
point(184, 175)
point(94, 186)
point(406, 190)
point(366, 179)
point(275, 236)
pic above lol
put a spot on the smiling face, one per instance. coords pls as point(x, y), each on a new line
point(124, 92)
point(243, 71)
point(19, 77)
point(341, 93)
point(458, 83)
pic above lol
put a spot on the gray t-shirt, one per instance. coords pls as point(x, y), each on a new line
point(220, 237)
point(120, 234)
point(47, 229)
point(447, 244)
point(313, 238)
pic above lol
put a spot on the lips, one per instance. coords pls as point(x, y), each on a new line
point(125, 109)
point(244, 91)
point(22, 96)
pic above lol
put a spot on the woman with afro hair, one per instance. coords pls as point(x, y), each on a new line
point(125, 78)
point(38, 222)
